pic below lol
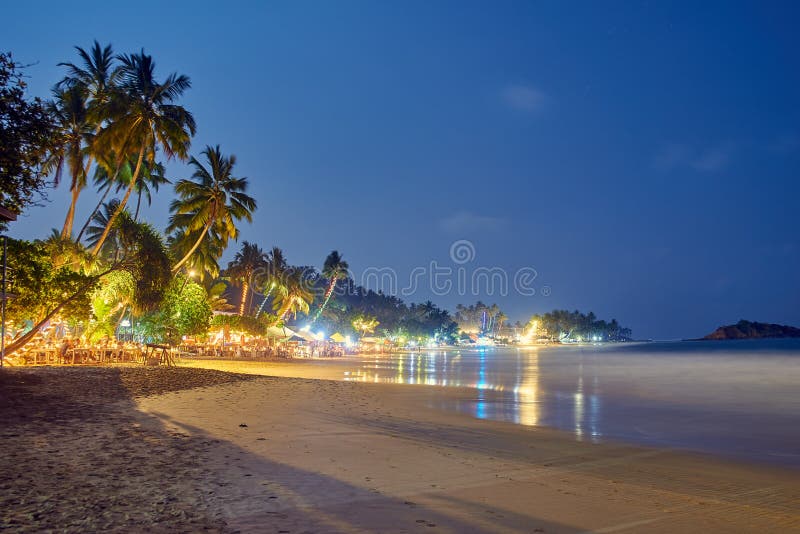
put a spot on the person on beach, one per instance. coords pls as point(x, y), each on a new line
point(64, 349)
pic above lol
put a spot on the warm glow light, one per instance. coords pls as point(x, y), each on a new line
point(531, 333)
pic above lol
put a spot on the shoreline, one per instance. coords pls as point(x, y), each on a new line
point(194, 449)
point(493, 402)
point(327, 456)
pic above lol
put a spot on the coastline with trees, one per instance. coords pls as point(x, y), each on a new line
point(106, 133)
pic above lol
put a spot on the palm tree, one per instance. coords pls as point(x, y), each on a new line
point(98, 75)
point(293, 295)
point(142, 114)
point(74, 132)
point(107, 173)
point(212, 202)
point(204, 260)
point(143, 256)
point(335, 268)
point(96, 78)
point(98, 225)
point(276, 271)
point(216, 298)
point(64, 252)
point(365, 324)
point(241, 269)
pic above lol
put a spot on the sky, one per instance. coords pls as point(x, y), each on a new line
point(636, 159)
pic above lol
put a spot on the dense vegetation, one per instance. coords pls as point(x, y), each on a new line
point(25, 136)
point(753, 330)
point(562, 324)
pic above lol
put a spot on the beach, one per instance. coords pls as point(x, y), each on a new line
point(131, 449)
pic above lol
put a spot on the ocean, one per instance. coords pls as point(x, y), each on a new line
point(732, 398)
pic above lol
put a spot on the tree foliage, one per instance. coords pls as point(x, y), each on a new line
point(565, 324)
point(184, 311)
point(38, 286)
point(26, 136)
point(244, 323)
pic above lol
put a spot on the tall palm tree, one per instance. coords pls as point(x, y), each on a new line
point(241, 269)
point(276, 271)
point(334, 269)
point(142, 113)
point(96, 77)
point(211, 202)
point(74, 132)
point(98, 74)
point(293, 295)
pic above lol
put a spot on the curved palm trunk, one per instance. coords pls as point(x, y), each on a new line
point(245, 289)
point(138, 205)
point(66, 232)
point(95, 210)
point(261, 308)
point(284, 309)
point(196, 244)
point(328, 294)
point(75, 194)
point(122, 204)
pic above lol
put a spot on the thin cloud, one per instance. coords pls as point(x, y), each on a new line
point(523, 97)
point(465, 221)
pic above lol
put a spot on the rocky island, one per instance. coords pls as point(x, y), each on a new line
point(753, 330)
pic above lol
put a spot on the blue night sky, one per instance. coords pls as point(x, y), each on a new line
point(642, 157)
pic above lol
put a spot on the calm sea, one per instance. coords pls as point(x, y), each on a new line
point(735, 398)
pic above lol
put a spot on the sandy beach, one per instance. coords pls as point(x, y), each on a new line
point(131, 449)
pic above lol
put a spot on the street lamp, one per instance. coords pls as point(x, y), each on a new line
point(190, 274)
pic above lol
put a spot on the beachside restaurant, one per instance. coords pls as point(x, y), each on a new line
point(278, 342)
point(57, 345)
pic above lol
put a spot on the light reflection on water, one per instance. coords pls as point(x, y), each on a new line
point(739, 399)
point(502, 393)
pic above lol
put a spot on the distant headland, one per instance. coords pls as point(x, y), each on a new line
point(752, 330)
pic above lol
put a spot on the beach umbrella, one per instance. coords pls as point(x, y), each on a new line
point(337, 337)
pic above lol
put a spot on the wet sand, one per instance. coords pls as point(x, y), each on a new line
point(276, 454)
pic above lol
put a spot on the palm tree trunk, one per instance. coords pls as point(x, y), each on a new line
point(95, 210)
point(112, 220)
point(261, 308)
point(245, 289)
point(285, 308)
point(197, 243)
point(138, 204)
point(328, 293)
point(66, 232)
